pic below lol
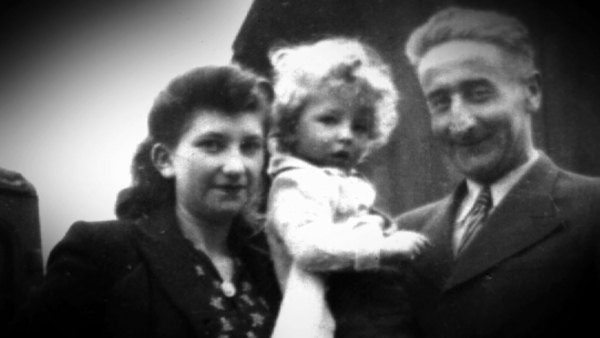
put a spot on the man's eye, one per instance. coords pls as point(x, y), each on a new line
point(439, 103)
point(479, 94)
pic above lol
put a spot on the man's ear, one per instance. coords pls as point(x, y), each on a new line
point(162, 160)
point(533, 86)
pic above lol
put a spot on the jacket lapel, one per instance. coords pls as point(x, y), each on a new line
point(524, 217)
point(437, 262)
point(170, 261)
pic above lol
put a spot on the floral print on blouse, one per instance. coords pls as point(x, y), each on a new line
point(239, 310)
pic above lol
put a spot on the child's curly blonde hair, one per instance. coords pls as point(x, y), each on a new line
point(331, 64)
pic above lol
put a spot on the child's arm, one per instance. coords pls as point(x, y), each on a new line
point(302, 215)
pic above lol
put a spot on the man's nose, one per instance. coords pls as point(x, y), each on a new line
point(462, 120)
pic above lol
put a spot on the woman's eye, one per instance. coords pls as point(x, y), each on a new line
point(251, 147)
point(211, 146)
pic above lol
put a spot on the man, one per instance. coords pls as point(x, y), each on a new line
point(516, 247)
point(21, 264)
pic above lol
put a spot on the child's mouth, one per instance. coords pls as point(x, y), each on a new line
point(341, 157)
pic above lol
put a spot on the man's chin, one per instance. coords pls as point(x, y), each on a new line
point(230, 207)
point(477, 168)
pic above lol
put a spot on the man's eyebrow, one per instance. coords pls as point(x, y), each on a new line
point(474, 82)
point(436, 93)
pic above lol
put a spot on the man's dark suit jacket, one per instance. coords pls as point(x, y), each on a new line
point(133, 279)
point(532, 271)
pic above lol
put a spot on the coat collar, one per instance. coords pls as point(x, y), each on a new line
point(281, 162)
point(523, 218)
point(436, 264)
point(170, 259)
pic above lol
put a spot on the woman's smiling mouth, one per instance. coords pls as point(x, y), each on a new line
point(231, 188)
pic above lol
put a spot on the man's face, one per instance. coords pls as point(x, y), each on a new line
point(480, 107)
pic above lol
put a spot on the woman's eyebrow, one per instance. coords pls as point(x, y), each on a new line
point(210, 135)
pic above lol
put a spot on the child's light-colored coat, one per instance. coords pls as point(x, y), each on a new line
point(314, 226)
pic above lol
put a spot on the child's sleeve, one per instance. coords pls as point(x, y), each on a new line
point(302, 215)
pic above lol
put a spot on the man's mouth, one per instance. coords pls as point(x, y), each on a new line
point(468, 142)
point(231, 188)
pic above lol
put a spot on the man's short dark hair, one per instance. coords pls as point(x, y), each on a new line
point(457, 23)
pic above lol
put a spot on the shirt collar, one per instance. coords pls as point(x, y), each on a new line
point(500, 188)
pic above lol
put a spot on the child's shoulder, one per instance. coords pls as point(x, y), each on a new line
point(283, 165)
point(290, 172)
point(306, 178)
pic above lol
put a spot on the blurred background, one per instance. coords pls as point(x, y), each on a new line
point(410, 170)
point(78, 78)
point(77, 81)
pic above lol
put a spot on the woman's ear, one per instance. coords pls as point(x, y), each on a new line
point(162, 160)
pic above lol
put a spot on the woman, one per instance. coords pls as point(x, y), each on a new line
point(183, 259)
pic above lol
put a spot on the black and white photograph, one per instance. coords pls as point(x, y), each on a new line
point(299, 168)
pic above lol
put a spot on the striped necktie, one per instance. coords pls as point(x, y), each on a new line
point(475, 218)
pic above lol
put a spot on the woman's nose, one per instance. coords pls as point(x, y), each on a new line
point(233, 163)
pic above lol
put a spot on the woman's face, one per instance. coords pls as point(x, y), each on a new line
point(217, 164)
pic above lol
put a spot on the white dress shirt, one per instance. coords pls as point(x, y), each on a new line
point(499, 190)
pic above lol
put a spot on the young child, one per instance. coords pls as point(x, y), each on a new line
point(335, 103)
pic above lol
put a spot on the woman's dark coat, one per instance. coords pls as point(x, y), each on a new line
point(133, 279)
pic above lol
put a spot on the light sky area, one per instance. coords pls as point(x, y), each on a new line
point(77, 86)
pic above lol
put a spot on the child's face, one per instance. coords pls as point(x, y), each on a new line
point(334, 130)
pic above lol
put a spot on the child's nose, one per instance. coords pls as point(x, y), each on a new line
point(345, 133)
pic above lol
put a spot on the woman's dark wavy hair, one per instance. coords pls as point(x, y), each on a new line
point(226, 89)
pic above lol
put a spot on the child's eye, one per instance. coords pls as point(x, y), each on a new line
point(361, 127)
point(363, 123)
point(328, 119)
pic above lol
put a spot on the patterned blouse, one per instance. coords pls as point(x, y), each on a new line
point(241, 312)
